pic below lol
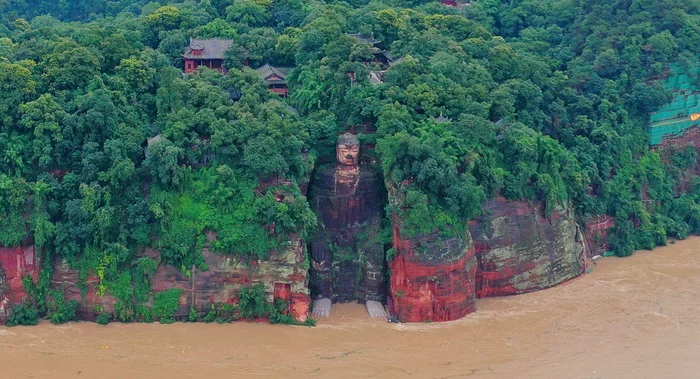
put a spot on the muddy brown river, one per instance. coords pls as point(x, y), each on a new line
point(637, 317)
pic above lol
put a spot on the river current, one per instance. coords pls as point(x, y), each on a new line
point(637, 317)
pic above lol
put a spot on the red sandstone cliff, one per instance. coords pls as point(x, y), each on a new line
point(284, 275)
point(348, 206)
point(596, 233)
point(519, 250)
point(15, 263)
point(432, 279)
point(512, 249)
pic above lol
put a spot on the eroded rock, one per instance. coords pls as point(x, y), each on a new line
point(519, 250)
point(284, 276)
point(432, 278)
point(15, 263)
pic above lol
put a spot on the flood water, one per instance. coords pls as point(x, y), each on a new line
point(637, 317)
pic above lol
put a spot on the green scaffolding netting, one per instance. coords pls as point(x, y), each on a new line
point(675, 117)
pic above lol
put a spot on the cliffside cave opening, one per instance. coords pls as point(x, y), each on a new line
point(348, 252)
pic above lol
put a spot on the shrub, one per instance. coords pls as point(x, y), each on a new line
point(58, 309)
point(104, 318)
point(222, 313)
point(65, 312)
point(23, 314)
point(253, 303)
point(144, 313)
point(165, 305)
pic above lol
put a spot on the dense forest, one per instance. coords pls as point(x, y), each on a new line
point(107, 147)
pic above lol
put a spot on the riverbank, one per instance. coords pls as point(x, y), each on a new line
point(631, 317)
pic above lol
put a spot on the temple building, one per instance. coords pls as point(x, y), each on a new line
point(455, 3)
point(275, 78)
point(365, 39)
point(206, 52)
point(383, 59)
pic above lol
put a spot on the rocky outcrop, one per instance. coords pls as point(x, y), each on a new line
point(16, 263)
point(91, 303)
point(512, 249)
point(596, 233)
point(432, 278)
point(284, 275)
point(519, 250)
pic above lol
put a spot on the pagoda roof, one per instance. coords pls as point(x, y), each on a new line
point(212, 48)
point(366, 39)
point(441, 119)
point(268, 73)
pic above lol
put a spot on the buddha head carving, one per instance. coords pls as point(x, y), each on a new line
point(348, 150)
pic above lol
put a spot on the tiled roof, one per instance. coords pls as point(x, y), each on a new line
point(213, 48)
point(441, 119)
point(376, 77)
point(266, 72)
point(368, 39)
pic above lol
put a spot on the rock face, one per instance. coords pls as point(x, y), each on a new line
point(15, 263)
point(519, 250)
point(90, 302)
point(432, 279)
point(596, 235)
point(512, 249)
point(347, 259)
point(284, 275)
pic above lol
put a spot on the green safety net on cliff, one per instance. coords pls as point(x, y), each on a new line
point(683, 112)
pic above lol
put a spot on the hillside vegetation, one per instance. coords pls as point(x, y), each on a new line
point(528, 99)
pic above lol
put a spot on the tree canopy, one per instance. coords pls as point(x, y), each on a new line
point(107, 147)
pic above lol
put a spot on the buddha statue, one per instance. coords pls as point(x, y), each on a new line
point(348, 263)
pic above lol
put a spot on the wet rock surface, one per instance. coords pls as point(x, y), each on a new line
point(432, 279)
point(15, 263)
point(513, 248)
point(284, 276)
point(596, 233)
point(520, 250)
